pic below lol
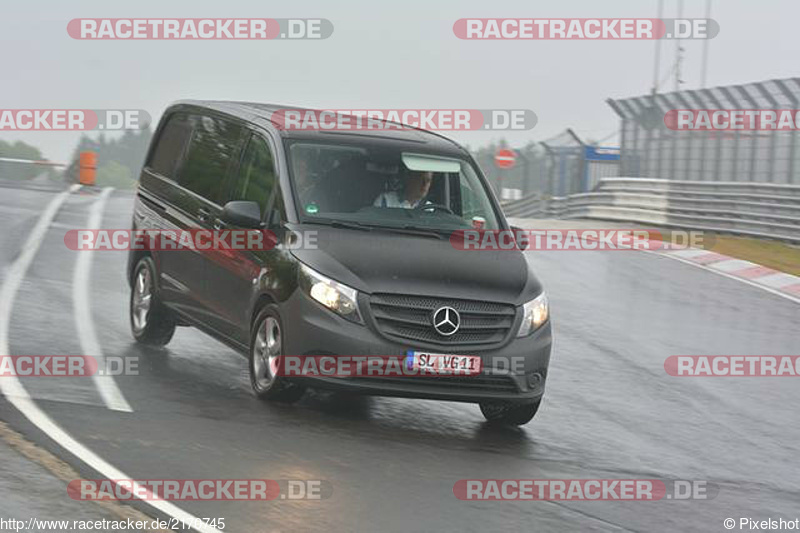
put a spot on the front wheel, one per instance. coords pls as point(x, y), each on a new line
point(266, 346)
point(151, 322)
point(509, 414)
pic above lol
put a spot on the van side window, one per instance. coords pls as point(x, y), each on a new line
point(214, 145)
point(256, 179)
point(170, 146)
point(467, 203)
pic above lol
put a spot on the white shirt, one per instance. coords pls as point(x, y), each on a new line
point(392, 199)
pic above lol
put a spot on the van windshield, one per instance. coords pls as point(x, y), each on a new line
point(385, 187)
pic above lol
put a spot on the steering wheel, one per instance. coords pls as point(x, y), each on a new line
point(434, 207)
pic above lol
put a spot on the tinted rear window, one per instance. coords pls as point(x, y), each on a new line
point(170, 146)
point(214, 146)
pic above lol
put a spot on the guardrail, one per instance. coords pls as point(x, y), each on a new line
point(525, 207)
point(753, 209)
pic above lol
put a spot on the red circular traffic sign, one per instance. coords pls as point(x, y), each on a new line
point(505, 158)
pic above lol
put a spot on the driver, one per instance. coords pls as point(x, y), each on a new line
point(413, 194)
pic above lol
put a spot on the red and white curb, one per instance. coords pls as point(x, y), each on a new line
point(772, 280)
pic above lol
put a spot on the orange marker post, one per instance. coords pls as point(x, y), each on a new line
point(88, 168)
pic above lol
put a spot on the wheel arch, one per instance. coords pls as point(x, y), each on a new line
point(261, 301)
point(133, 260)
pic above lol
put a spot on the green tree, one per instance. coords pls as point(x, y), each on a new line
point(114, 174)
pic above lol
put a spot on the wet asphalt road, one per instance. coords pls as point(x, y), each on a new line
point(610, 409)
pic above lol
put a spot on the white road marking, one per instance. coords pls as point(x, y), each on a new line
point(690, 252)
point(106, 385)
point(778, 280)
point(15, 393)
point(88, 400)
point(733, 265)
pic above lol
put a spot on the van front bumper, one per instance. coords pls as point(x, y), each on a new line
point(515, 371)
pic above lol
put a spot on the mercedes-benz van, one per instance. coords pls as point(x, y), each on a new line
point(380, 276)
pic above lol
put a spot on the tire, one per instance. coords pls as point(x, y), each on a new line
point(151, 322)
point(266, 343)
point(509, 414)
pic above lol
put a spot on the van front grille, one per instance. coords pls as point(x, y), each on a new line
point(410, 318)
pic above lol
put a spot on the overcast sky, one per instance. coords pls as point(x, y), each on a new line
point(382, 54)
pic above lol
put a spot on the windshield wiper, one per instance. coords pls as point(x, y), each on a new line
point(350, 225)
point(342, 224)
point(412, 230)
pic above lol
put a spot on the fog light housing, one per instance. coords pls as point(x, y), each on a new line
point(534, 380)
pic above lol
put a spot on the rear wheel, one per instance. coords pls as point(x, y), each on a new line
point(266, 345)
point(151, 322)
point(509, 414)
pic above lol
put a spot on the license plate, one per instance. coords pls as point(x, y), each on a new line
point(443, 364)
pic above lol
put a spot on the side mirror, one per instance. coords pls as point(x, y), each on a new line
point(521, 238)
point(242, 213)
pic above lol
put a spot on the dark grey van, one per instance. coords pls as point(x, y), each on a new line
point(382, 277)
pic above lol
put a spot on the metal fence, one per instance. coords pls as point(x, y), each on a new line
point(565, 164)
point(650, 149)
point(558, 166)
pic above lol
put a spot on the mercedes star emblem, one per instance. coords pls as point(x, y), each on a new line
point(446, 321)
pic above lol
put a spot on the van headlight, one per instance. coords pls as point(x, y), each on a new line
point(535, 313)
point(337, 297)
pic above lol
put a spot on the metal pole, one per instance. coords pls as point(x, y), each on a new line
point(525, 171)
point(657, 62)
point(704, 74)
point(678, 52)
point(791, 96)
point(653, 92)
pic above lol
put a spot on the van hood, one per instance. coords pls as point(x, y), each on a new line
point(383, 261)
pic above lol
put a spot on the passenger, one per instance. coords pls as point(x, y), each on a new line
point(414, 192)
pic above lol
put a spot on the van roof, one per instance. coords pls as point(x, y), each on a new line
point(256, 112)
